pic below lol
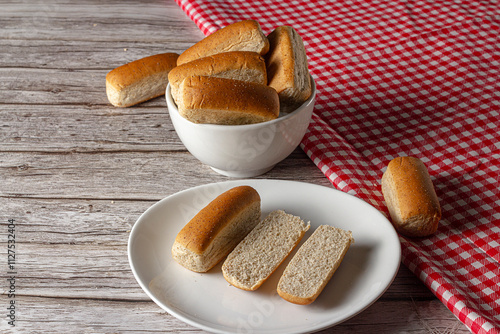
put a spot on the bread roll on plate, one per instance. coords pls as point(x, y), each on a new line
point(314, 264)
point(287, 68)
point(217, 229)
point(410, 197)
point(238, 65)
point(240, 36)
point(211, 100)
point(140, 80)
point(263, 250)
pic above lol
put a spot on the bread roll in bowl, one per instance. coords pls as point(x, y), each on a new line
point(238, 65)
point(287, 67)
point(212, 100)
point(244, 35)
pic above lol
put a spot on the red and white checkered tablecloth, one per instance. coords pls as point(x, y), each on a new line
point(407, 77)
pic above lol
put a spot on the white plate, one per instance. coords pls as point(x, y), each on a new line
point(208, 302)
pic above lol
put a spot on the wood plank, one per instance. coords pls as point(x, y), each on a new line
point(87, 128)
point(80, 55)
point(124, 175)
point(54, 86)
point(90, 271)
point(62, 315)
point(64, 223)
point(147, 21)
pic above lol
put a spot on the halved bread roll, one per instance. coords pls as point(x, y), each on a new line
point(314, 264)
point(238, 65)
point(223, 101)
point(217, 229)
point(287, 68)
point(240, 36)
point(263, 250)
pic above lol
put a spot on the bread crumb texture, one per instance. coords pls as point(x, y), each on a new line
point(263, 250)
point(314, 264)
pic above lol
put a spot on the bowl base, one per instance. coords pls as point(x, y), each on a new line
point(242, 173)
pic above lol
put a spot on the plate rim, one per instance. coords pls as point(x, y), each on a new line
point(229, 183)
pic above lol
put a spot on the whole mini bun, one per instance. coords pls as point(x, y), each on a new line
point(217, 228)
point(240, 36)
point(287, 68)
point(410, 197)
point(211, 100)
point(140, 80)
point(237, 65)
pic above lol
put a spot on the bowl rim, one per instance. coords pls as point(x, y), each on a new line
point(170, 101)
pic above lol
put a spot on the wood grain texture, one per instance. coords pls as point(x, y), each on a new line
point(76, 173)
point(106, 175)
point(29, 128)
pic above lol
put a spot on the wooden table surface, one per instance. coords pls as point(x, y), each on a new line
point(76, 173)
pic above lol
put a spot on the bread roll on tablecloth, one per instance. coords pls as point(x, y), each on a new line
point(287, 68)
point(238, 65)
point(217, 229)
point(140, 80)
point(223, 101)
point(240, 36)
point(410, 197)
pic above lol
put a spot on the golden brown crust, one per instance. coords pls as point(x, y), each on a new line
point(240, 36)
point(199, 232)
point(211, 65)
point(294, 299)
point(287, 67)
point(140, 80)
point(226, 101)
point(281, 59)
point(130, 73)
point(410, 197)
point(238, 65)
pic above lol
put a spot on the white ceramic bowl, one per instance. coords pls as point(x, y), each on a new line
point(243, 150)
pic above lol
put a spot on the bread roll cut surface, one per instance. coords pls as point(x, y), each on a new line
point(287, 68)
point(314, 264)
point(238, 65)
point(263, 250)
point(223, 101)
point(140, 80)
point(212, 233)
point(410, 197)
point(240, 36)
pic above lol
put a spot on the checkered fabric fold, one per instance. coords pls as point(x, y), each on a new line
point(396, 78)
